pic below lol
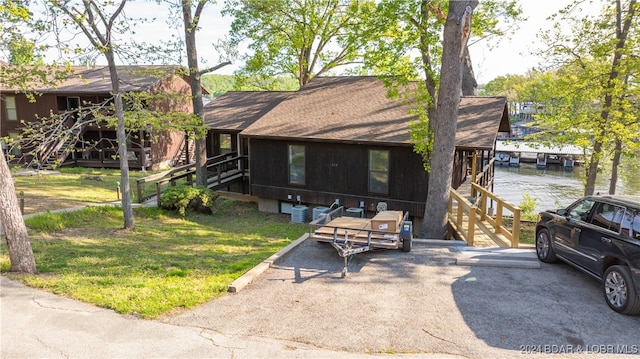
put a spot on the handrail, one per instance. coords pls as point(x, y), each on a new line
point(189, 172)
point(463, 207)
point(512, 234)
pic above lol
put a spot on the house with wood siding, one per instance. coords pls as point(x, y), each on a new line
point(342, 138)
point(96, 145)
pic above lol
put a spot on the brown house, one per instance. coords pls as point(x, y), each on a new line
point(229, 114)
point(343, 138)
point(94, 145)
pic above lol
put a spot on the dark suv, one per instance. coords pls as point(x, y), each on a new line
point(599, 235)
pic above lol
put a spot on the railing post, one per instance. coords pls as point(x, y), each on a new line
point(515, 241)
point(498, 217)
point(471, 231)
point(483, 204)
point(158, 193)
point(139, 190)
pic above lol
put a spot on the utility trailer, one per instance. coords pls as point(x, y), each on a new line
point(352, 235)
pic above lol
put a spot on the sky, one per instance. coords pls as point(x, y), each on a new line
point(509, 56)
point(513, 56)
point(490, 60)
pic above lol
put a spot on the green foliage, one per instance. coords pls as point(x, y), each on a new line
point(219, 84)
point(301, 39)
point(183, 198)
point(527, 207)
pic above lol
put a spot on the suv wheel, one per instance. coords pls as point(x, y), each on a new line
point(544, 248)
point(619, 291)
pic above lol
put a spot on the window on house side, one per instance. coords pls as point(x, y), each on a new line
point(379, 171)
point(12, 112)
point(296, 164)
point(225, 143)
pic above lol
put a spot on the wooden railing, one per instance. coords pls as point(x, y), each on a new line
point(459, 209)
point(222, 166)
point(464, 215)
point(484, 196)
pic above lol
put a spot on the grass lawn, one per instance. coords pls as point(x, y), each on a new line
point(167, 263)
point(73, 186)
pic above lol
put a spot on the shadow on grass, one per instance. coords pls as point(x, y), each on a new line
point(167, 262)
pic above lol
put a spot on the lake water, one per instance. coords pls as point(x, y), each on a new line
point(553, 187)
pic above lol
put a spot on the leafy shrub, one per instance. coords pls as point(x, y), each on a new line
point(183, 198)
point(528, 206)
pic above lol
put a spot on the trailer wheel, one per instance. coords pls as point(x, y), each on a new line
point(406, 244)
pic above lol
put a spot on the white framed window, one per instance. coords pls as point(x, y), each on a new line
point(379, 171)
point(296, 164)
point(12, 111)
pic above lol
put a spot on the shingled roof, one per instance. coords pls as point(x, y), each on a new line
point(236, 110)
point(479, 121)
point(357, 109)
point(95, 80)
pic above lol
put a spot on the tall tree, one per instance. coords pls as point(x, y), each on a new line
point(602, 60)
point(15, 231)
point(457, 30)
point(418, 25)
point(11, 220)
point(100, 23)
point(301, 39)
point(191, 19)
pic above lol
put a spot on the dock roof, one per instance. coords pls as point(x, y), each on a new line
point(534, 147)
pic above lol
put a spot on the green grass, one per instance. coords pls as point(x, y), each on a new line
point(167, 263)
point(72, 187)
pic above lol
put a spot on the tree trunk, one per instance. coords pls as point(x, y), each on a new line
point(622, 31)
point(121, 133)
point(469, 83)
point(20, 252)
point(592, 169)
point(614, 167)
point(196, 91)
point(456, 33)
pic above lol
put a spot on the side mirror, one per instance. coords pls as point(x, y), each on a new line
point(562, 212)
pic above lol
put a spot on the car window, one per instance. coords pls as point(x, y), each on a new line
point(581, 209)
point(608, 216)
point(635, 227)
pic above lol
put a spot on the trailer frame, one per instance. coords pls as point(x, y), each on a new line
point(351, 235)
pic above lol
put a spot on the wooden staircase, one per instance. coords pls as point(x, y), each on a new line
point(181, 157)
point(63, 142)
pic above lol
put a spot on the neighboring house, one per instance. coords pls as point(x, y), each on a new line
point(94, 145)
point(229, 114)
point(343, 138)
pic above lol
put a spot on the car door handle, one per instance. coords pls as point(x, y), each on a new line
point(577, 230)
point(605, 240)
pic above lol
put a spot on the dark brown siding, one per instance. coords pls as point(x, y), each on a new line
point(338, 171)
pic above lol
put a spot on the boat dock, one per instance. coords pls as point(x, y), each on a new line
point(512, 152)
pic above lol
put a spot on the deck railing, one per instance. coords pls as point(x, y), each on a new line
point(221, 169)
point(512, 232)
point(462, 216)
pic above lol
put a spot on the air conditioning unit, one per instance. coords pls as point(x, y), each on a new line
point(300, 214)
point(318, 211)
